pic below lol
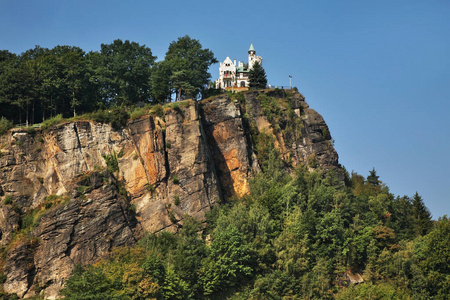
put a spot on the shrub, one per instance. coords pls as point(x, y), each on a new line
point(176, 106)
point(158, 110)
point(5, 125)
point(117, 117)
point(7, 200)
point(120, 154)
point(149, 187)
point(112, 165)
point(2, 277)
point(132, 208)
point(52, 122)
point(172, 217)
point(176, 200)
point(312, 161)
point(175, 179)
point(138, 112)
point(31, 130)
point(135, 156)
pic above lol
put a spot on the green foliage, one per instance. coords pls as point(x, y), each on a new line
point(175, 179)
point(52, 122)
point(112, 163)
point(176, 200)
point(435, 259)
point(421, 216)
point(257, 77)
point(187, 63)
point(123, 70)
point(294, 237)
point(381, 291)
point(31, 219)
point(138, 112)
point(158, 110)
point(229, 261)
point(149, 187)
point(117, 117)
point(42, 83)
point(5, 125)
point(7, 200)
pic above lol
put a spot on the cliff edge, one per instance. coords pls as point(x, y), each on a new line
point(72, 193)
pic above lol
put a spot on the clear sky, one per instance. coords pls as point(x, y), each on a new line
point(377, 71)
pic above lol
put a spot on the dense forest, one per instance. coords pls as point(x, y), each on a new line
point(298, 236)
point(42, 83)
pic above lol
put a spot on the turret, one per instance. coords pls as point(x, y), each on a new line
point(251, 51)
point(252, 57)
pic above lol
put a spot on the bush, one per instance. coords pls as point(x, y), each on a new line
point(5, 125)
point(158, 110)
point(52, 122)
point(176, 200)
point(149, 187)
point(117, 117)
point(8, 200)
point(138, 112)
point(111, 162)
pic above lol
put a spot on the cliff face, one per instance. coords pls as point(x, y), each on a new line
point(64, 205)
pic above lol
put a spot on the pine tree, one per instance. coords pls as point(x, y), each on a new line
point(421, 216)
point(373, 178)
point(257, 77)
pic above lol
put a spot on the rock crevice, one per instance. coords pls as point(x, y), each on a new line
point(199, 153)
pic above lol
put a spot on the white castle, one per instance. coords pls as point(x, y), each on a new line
point(232, 76)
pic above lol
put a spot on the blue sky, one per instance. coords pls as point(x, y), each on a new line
point(377, 71)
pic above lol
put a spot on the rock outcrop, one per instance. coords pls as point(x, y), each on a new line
point(72, 193)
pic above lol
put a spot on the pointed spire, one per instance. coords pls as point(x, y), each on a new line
point(251, 48)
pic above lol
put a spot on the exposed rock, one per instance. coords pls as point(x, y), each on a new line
point(229, 146)
point(353, 278)
point(196, 152)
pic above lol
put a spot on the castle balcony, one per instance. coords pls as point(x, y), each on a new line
point(228, 76)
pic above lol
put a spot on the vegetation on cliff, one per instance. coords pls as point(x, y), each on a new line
point(42, 83)
point(306, 230)
point(297, 236)
point(257, 77)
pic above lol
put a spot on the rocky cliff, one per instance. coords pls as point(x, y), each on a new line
point(73, 192)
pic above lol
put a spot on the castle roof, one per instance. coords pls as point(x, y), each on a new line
point(242, 70)
point(251, 47)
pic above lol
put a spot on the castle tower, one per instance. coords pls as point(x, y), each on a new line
point(252, 58)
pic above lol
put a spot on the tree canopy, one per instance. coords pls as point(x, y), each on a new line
point(257, 76)
point(188, 63)
point(42, 83)
point(297, 236)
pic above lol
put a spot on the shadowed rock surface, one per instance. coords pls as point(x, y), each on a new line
point(61, 207)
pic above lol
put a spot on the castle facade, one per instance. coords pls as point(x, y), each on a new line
point(234, 76)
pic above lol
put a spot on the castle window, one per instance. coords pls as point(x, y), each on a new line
point(242, 83)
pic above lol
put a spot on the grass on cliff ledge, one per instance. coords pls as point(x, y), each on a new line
point(118, 117)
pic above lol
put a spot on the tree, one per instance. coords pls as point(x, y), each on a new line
point(73, 63)
point(257, 77)
point(373, 178)
point(189, 64)
point(160, 82)
point(228, 263)
point(436, 259)
point(124, 72)
point(421, 216)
